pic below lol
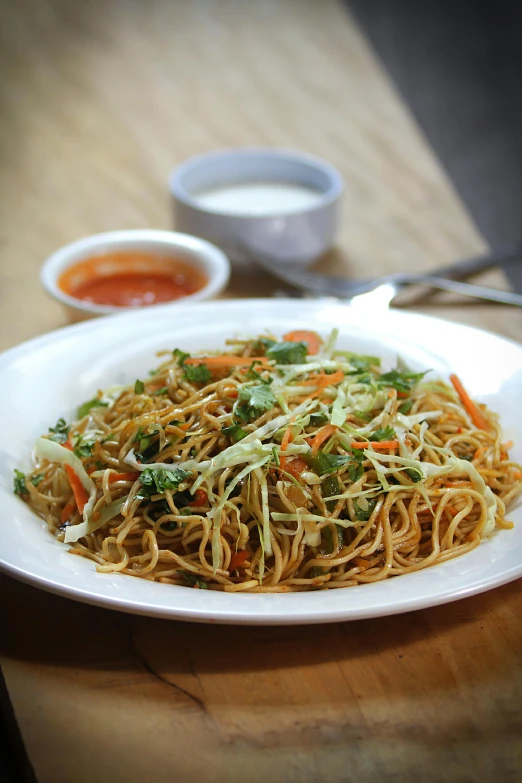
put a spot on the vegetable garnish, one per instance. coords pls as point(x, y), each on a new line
point(472, 408)
point(311, 339)
point(85, 407)
point(282, 465)
point(80, 495)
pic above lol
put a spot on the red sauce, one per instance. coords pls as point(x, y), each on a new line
point(131, 279)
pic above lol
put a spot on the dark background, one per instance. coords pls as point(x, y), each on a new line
point(458, 66)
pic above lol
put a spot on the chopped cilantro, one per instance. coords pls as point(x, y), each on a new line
point(156, 480)
point(362, 363)
point(85, 407)
point(197, 373)
point(37, 479)
point(19, 483)
point(324, 463)
point(180, 355)
point(60, 431)
point(253, 375)
point(330, 487)
point(83, 446)
point(193, 580)
point(402, 381)
point(364, 514)
point(388, 433)
point(288, 353)
point(406, 407)
point(139, 387)
point(317, 419)
point(235, 432)
point(253, 401)
point(163, 390)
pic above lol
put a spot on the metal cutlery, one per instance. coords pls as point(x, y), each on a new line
point(442, 278)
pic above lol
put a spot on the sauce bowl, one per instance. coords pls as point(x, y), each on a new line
point(259, 201)
point(209, 264)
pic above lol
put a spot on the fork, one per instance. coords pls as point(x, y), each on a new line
point(442, 278)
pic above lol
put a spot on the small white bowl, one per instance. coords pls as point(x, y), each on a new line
point(292, 236)
point(205, 257)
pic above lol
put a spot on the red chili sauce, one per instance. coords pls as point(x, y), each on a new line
point(131, 279)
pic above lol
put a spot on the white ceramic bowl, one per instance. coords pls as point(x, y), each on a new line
point(297, 236)
point(207, 258)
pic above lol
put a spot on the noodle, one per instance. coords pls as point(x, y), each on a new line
point(274, 467)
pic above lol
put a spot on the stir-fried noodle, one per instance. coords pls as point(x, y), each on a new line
point(274, 467)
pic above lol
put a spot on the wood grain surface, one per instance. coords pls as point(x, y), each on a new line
point(99, 101)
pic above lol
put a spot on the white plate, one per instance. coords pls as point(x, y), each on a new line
point(47, 378)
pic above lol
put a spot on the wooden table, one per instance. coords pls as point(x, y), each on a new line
point(100, 100)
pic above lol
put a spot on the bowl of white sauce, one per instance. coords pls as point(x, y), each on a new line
point(257, 201)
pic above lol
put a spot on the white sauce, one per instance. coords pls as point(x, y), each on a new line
point(258, 198)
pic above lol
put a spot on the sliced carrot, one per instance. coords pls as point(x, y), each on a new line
point(287, 437)
point(472, 408)
point(226, 361)
point(200, 498)
point(324, 379)
point(377, 445)
point(123, 477)
point(296, 466)
point(312, 339)
point(237, 559)
point(78, 489)
point(67, 510)
point(320, 437)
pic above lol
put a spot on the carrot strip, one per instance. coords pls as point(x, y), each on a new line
point(472, 408)
point(237, 559)
point(68, 510)
point(320, 437)
point(123, 477)
point(324, 379)
point(78, 489)
point(226, 361)
point(312, 339)
point(377, 445)
point(287, 437)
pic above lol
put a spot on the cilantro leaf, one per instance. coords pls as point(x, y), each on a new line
point(388, 433)
point(139, 387)
point(193, 580)
point(362, 363)
point(253, 401)
point(163, 390)
point(37, 479)
point(364, 514)
point(262, 345)
point(60, 431)
point(323, 463)
point(19, 483)
point(288, 353)
point(316, 419)
point(406, 407)
point(180, 355)
point(197, 373)
point(83, 446)
point(235, 432)
point(85, 407)
point(402, 381)
point(253, 375)
point(156, 480)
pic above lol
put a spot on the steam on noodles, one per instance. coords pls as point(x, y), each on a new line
point(274, 467)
